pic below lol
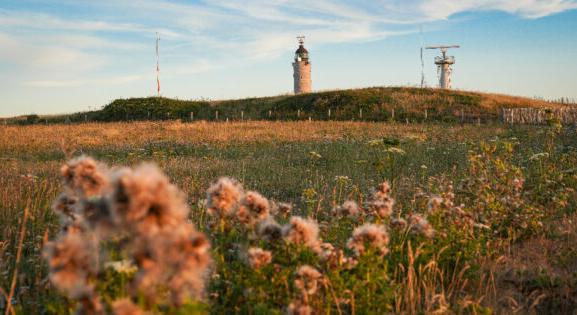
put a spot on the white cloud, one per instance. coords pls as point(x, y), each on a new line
point(442, 9)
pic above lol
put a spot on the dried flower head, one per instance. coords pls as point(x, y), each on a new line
point(348, 209)
point(178, 258)
point(434, 203)
point(418, 224)
point(223, 197)
point(84, 176)
point(307, 279)
point(369, 236)
point(145, 201)
point(258, 258)
point(381, 202)
point(270, 230)
point(303, 232)
point(72, 261)
point(299, 308)
point(253, 208)
point(399, 223)
point(126, 307)
point(282, 208)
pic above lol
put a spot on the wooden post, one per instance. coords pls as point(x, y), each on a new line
point(216, 115)
point(407, 121)
point(329, 113)
point(360, 113)
point(299, 113)
point(310, 118)
point(269, 113)
point(242, 115)
point(393, 113)
point(148, 115)
point(426, 114)
point(85, 118)
point(191, 116)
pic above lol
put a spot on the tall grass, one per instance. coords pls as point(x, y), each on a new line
point(469, 205)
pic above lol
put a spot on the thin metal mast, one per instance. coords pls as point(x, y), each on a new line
point(157, 66)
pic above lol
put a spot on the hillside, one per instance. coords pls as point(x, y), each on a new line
point(372, 104)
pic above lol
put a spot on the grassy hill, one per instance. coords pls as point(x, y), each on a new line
point(372, 104)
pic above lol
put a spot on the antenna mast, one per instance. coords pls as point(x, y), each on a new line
point(422, 61)
point(444, 65)
point(157, 66)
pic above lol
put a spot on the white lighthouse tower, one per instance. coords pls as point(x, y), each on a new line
point(444, 65)
point(302, 69)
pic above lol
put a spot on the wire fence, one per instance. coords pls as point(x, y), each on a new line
point(538, 116)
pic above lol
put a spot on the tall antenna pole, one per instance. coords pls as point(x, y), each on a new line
point(422, 61)
point(157, 66)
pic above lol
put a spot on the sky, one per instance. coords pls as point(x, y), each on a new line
point(64, 56)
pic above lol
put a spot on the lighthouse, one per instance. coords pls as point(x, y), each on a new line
point(302, 69)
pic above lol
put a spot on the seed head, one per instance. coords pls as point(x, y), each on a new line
point(369, 236)
point(307, 279)
point(253, 208)
point(223, 197)
point(302, 231)
point(348, 209)
point(258, 258)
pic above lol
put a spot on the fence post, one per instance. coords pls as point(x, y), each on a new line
point(426, 114)
point(360, 113)
point(329, 113)
point(393, 113)
point(310, 118)
point(191, 116)
point(242, 115)
point(216, 115)
point(298, 113)
point(269, 113)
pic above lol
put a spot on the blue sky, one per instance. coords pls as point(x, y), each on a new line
point(71, 55)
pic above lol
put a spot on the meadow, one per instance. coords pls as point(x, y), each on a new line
point(319, 217)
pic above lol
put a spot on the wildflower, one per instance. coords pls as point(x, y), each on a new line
point(369, 235)
point(539, 156)
point(282, 208)
point(342, 179)
point(315, 155)
point(420, 225)
point(375, 142)
point(302, 231)
point(84, 176)
point(253, 208)
point(126, 307)
point(65, 207)
point(434, 203)
point(257, 257)
point(299, 308)
point(381, 202)
point(72, 261)
point(518, 184)
point(396, 150)
point(223, 197)
point(145, 200)
point(348, 209)
point(270, 230)
point(177, 258)
point(307, 279)
point(399, 223)
point(121, 266)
